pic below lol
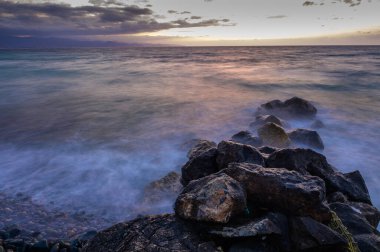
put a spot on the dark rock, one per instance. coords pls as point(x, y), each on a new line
point(273, 135)
point(164, 233)
point(267, 149)
point(308, 234)
point(266, 245)
point(2, 249)
point(368, 242)
point(294, 108)
point(55, 248)
point(310, 138)
point(41, 246)
point(245, 137)
point(13, 231)
point(200, 166)
point(168, 186)
point(199, 147)
point(282, 190)
point(352, 219)
point(317, 124)
point(4, 235)
point(307, 161)
point(215, 198)
point(264, 119)
point(86, 236)
point(336, 197)
point(369, 212)
point(231, 152)
point(14, 244)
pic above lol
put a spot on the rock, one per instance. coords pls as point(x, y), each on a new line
point(215, 198)
point(267, 149)
point(369, 212)
point(281, 190)
point(308, 234)
point(273, 135)
point(294, 108)
point(265, 245)
point(41, 246)
point(306, 161)
point(86, 236)
point(164, 233)
point(336, 197)
point(352, 219)
point(200, 166)
point(168, 186)
point(310, 138)
point(264, 119)
point(317, 124)
point(231, 152)
point(245, 137)
point(55, 248)
point(199, 146)
point(2, 249)
point(368, 242)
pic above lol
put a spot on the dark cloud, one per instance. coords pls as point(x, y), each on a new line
point(102, 18)
point(195, 17)
point(349, 2)
point(308, 3)
point(277, 17)
point(177, 12)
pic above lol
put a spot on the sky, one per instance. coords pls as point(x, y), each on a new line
point(192, 22)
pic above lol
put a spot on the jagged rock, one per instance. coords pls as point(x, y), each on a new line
point(369, 212)
point(267, 149)
point(229, 152)
point(215, 198)
point(200, 166)
point(317, 124)
point(336, 197)
point(352, 219)
point(245, 137)
point(255, 245)
point(281, 190)
point(368, 242)
point(308, 234)
point(199, 146)
point(264, 119)
point(164, 233)
point(307, 161)
point(306, 137)
point(293, 108)
point(273, 135)
point(167, 186)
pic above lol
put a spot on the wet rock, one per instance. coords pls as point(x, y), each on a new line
point(369, 212)
point(308, 234)
point(264, 119)
point(294, 108)
point(281, 190)
point(352, 219)
point(200, 166)
point(267, 149)
point(215, 198)
point(317, 124)
point(250, 245)
point(273, 135)
point(245, 137)
point(41, 246)
point(55, 248)
point(307, 137)
point(168, 186)
point(307, 161)
point(164, 233)
point(200, 146)
point(231, 152)
point(368, 242)
point(336, 197)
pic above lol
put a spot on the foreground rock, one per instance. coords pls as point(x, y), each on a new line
point(294, 108)
point(306, 137)
point(273, 135)
point(164, 233)
point(215, 198)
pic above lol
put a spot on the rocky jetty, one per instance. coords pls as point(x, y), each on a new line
point(258, 193)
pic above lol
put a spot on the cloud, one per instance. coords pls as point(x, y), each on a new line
point(277, 17)
point(351, 3)
point(177, 12)
point(195, 17)
point(308, 3)
point(104, 17)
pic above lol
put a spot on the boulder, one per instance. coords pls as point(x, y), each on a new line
point(307, 161)
point(245, 137)
point(215, 198)
point(294, 108)
point(308, 234)
point(168, 186)
point(273, 135)
point(164, 233)
point(199, 146)
point(336, 197)
point(264, 119)
point(317, 124)
point(369, 212)
point(267, 149)
point(368, 242)
point(231, 152)
point(200, 166)
point(307, 137)
point(281, 190)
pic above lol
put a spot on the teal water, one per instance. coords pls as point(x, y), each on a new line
point(87, 129)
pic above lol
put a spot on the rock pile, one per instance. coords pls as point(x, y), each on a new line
point(237, 197)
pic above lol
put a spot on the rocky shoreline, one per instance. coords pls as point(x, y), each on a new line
point(270, 191)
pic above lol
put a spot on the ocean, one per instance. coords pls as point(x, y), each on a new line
point(85, 130)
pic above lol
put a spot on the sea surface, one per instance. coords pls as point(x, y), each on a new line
point(85, 130)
